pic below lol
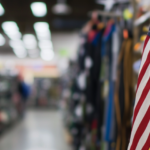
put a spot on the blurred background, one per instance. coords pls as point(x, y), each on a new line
point(68, 72)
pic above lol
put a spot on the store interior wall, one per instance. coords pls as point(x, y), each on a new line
point(63, 42)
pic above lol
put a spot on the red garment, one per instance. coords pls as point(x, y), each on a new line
point(94, 124)
point(108, 28)
point(92, 35)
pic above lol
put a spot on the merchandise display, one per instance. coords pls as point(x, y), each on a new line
point(101, 100)
point(11, 99)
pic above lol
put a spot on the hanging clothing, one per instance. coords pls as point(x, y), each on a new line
point(107, 58)
point(124, 95)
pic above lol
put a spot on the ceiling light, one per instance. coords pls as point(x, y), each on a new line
point(44, 36)
point(11, 30)
point(45, 44)
point(47, 54)
point(20, 52)
point(42, 30)
point(10, 26)
point(61, 8)
point(39, 9)
point(16, 44)
point(14, 36)
point(41, 27)
point(108, 4)
point(29, 41)
point(2, 11)
point(2, 40)
point(18, 48)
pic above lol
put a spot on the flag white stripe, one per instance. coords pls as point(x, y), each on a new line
point(145, 54)
point(143, 138)
point(139, 117)
point(142, 85)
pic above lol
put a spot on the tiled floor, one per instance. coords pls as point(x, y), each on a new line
point(40, 130)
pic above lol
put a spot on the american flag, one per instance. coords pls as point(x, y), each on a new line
point(140, 135)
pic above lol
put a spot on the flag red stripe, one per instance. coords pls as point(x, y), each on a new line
point(140, 129)
point(147, 144)
point(141, 100)
point(147, 62)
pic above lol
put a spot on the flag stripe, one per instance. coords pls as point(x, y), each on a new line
point(141, 128)
point(141, 100)
point(145, 66)
point(147, 144)
point(142, 144)
point(139, 118)
point(142, 85)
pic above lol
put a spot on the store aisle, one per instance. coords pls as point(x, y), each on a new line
point(40, 130)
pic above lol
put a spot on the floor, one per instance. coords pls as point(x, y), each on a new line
point(40, 130)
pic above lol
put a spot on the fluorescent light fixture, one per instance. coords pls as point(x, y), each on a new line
point(45, 44)
point(2, 40)
point(11, 30)
point(61, 8)
point(16, 44)
point(20, 52)
point(44, 36)
point(2, 10)
point(29, 41)
point(47, 54)
point(10, 26)
point(18, 48)
point(14, 36)
point(42, 30)
point(107, 3)
point(39, 9)
point(41, 27)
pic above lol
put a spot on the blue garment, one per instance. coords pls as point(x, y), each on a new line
point(105, 40)
point(25, 90)
point(96, 39)
point(110, 114)
point(110, 111)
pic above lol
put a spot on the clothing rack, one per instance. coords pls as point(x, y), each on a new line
point(107, 14)
point(109, 4)
point(116, 1)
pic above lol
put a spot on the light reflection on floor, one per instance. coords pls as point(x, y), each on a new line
point(40, 130)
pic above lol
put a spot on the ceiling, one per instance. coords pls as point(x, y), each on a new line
point(20, 12)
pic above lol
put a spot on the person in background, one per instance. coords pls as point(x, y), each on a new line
point(24, 90)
